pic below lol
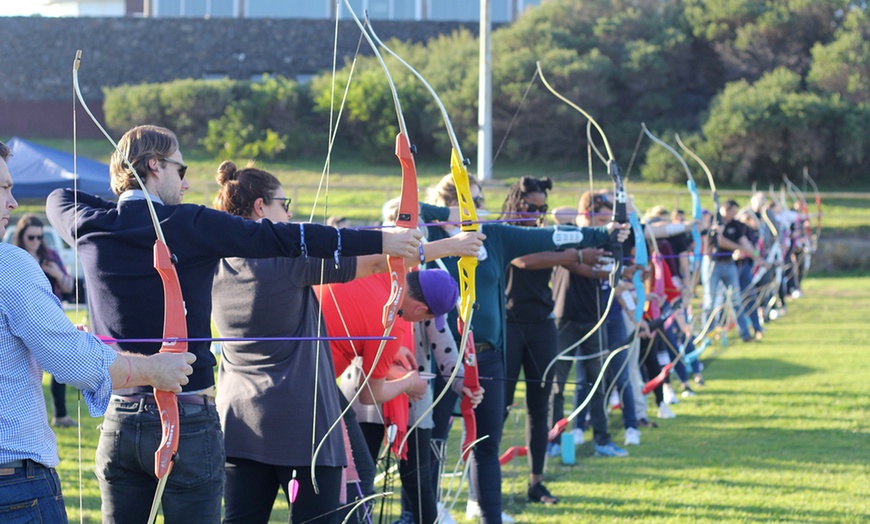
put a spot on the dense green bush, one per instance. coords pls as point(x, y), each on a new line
point(269, 119)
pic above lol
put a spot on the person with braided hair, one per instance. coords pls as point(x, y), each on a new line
point(532, 340)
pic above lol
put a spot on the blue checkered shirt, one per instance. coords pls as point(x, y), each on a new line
point(36, 335)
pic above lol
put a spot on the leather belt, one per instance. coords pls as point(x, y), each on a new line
point(14, 464)
point(482, 347)
point(200, 400)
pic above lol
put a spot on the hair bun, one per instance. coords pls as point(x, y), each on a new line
point(227, 172)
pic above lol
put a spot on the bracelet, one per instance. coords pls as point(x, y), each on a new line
point(580, 255)
point(422, 256)
point(129, 370)
point(338, 248)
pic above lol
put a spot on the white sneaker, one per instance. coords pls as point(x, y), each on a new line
point(670, 395)
point(472, 512)
point(632, 437)
point(665, 411)
point(579, 436)
point(444, 516)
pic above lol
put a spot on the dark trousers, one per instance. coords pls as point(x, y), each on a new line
point(252, 487)
point(485, 468)
point(129, 435)
point(587, 371)
point(58, 397)
point(532, 346)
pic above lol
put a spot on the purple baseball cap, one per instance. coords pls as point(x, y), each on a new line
point(440, 291)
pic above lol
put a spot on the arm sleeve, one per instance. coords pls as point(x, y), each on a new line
point(430, 213)
point(37, 319)
point(519, 241)
point(231, 236)
point(63, 206)
point(446, 356)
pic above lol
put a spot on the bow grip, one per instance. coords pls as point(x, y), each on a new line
point(174, 327)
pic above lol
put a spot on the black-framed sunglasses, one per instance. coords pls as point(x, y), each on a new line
point(478, 200)
point(182, 169)
point(285, 203)
point(34, 237)
point(533, 208)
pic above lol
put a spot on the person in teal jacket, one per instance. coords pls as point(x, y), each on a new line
point(503, 243)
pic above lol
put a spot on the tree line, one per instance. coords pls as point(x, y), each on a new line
point(758, 88)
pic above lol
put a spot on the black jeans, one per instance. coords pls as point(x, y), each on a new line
point(129, 435)
point(532, 346)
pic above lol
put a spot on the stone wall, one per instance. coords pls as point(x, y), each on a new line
point(38, 54)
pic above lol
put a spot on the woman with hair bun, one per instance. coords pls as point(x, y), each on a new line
point(265, 387)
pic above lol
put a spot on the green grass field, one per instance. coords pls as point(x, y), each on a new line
point(780, 433)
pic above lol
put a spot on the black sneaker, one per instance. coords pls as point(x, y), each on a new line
point(539, 493)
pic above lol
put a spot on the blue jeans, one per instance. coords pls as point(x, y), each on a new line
point(31, 494)
point(130, 434)
point(725, 273)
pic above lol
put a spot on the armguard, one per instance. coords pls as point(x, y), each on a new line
point(567, 236)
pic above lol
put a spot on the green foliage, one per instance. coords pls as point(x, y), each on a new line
point(760, 131)
point(266, 119)
point(843, 66)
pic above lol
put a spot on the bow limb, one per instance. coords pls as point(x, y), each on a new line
point(818, 195)
point(174, 322)
point(696, 202)
point(466, 267)
point(407, 217)
point(619, 215)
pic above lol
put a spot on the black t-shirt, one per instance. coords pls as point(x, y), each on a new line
point(733, 231)
point(529, 298)
point(577, 297)
point(680, 243)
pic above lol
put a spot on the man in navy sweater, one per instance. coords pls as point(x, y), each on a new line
point(125, 295)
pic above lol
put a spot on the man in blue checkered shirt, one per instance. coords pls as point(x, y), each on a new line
point(36, 335)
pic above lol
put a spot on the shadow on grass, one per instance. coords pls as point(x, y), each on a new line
point(755, 368)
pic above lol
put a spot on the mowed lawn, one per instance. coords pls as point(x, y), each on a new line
point(780, 433)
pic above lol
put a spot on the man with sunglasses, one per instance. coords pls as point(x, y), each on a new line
point(125, 297)
point(36, 336)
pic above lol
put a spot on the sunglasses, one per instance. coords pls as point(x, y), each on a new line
point(478, 200)
point(285, 203)
point(533, 208)
point(182, 169)
point(34, 237)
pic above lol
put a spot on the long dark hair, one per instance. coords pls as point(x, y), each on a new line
point(24, 223)
point(515, 202)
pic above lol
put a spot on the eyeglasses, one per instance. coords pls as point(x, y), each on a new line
point(182, 169)
point(478, 200)
point(34, 237)
point(533, 208)
point(285, 203)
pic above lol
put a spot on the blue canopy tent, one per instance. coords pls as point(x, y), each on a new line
point(38, 170)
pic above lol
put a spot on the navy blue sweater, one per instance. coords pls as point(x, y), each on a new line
point(125, 293)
